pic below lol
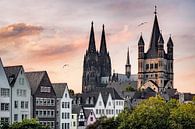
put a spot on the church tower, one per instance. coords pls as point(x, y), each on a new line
point(91, 69)
point(104, 58)
point(155, 67)
point(128, 66)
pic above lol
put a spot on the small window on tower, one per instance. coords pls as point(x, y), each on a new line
point(156, 66)
point(147, 66)
point(151, 66)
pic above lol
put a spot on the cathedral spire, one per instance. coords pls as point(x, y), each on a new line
point(128, 59)
point(92, 47)
point(155, 32)
point(103, 48)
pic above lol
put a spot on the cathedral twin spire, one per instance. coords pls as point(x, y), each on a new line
point(92, 46)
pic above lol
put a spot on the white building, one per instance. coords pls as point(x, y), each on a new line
point(103, 102)
point(4, 96)
point(20, 93)
point(64, 106)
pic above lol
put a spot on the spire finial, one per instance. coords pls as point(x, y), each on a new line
point(103, 26)
point(155, 11)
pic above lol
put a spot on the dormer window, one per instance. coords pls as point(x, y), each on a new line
point(100, 103)
point(45, 89)
point(92, 100)
point(65, 95)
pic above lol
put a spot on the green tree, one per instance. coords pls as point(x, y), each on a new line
point(27, 124)
point(183, 117)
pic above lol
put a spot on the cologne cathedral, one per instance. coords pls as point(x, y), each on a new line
point(96, 64)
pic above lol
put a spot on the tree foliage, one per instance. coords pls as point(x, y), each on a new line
point(153, 113)
point(25, 124)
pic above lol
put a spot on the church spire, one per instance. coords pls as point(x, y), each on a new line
point(128, 59)
point(155, 32)
point(103, 48)
point(128, 65)
point(92, 47)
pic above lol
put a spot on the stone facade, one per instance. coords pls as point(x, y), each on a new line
point(96, 64)
point(155, 65)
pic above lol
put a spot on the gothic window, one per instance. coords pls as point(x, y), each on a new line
point(151, 66)
point(147, 66)
point(156, 66)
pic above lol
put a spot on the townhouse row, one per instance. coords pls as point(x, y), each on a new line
point(25, 95)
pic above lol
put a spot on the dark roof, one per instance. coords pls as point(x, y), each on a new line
point(87, 112)
point(12, 72)
point(85, 96)
point(34, 79)
point(76, 109)
point(141, 41)
point(59, 89)
point(106, 90)
point(188, 96)
point(152, 51)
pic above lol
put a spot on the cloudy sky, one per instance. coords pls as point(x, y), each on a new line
point(46, 34)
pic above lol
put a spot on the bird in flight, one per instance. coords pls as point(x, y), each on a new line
point(142, 24)
point(65, 65)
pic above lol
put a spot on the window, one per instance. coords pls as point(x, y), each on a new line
point(21, 81)
point(4, 92)
point(16, 117)
point(151, 66)
point(147, 66)
point(22, 104)
point(63, 105)
point(74, 123)
point(15, 104)
point(156, 66)
point(96, 111)
point(52, 102)
point(91, 118)
point(4, 119)
point(65, 95)
point(63, 115)
point(72, 116)
point(45, 89)
point(26, 104)
point(4, 106)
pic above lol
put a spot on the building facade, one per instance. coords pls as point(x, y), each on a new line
point(5, 96)
point(44, 98)
point(155, 67)
point(20, 93)
point(64, 106)
point(96, 64)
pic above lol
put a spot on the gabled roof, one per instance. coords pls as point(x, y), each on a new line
point(87, 112)
point(34, 79)
point(85, 96)
point(76, 109)
point(107, 90)
point(12, 72)
point(59, 89)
